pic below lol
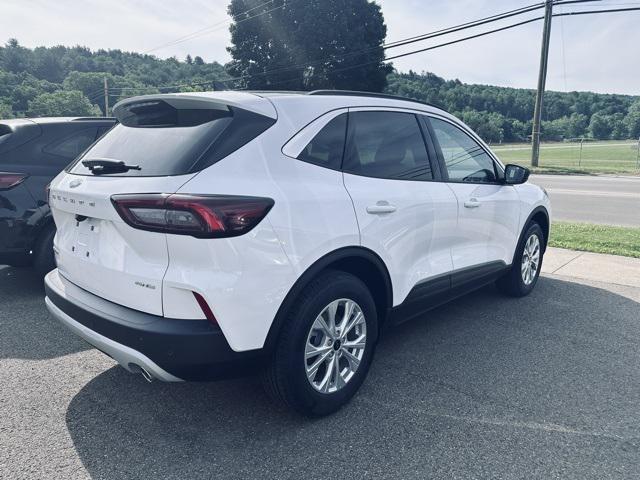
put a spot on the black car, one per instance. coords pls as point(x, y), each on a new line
point(32, 152)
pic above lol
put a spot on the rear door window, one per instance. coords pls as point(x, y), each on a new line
point(387, 145)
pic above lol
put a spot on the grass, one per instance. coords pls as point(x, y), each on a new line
point(586, 237)
point(597, 157)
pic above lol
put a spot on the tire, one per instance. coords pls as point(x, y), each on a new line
point(43, 258)
point(517, 283)
point(286, 377)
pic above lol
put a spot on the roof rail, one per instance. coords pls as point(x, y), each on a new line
point(84, 119)
point(354, 93)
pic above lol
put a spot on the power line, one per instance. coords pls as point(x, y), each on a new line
point(482, 34)
point(217, 26)
point(590, 12)
point(406, 41)
point(489, 32)
point(482, 21)
point(389, 45)
point(189, 35)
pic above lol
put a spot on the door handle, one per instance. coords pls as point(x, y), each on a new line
point(472, 203)
point(381, 207)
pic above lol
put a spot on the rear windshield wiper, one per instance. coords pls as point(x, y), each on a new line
point(105, 165)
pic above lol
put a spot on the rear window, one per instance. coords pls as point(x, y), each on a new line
point(16, 133)
point(162, 140)
point(73, 145)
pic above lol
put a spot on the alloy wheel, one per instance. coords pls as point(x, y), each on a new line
point(530, 259)
point(335, 345)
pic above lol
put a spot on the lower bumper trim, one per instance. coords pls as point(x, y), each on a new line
point(167, 349)
point(127, 357)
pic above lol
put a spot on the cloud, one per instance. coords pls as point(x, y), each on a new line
point(598, 50)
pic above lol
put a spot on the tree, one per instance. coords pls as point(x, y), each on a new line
point(15, 57)
point(61, 104)
point(600, 126)
point(488, 125)
point(619, 128)
point(633, 120)
point(308, 44)
point(91, 84)
point(5, 110)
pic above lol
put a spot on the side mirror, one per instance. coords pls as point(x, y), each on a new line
point(515, 174)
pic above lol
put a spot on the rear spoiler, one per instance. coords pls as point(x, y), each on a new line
point(205, 101)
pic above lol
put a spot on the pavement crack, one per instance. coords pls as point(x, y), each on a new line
point(497, 422)
point(564, 265)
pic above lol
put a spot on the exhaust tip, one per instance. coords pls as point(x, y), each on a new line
point(138, 369)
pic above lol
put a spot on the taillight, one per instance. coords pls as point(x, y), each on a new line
point(10, 180)
point(201, 216)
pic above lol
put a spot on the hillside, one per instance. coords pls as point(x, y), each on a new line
point(70, 81)
point(504, 114)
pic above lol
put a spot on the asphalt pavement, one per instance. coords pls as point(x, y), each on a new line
point(547, 386)
point(613, 200)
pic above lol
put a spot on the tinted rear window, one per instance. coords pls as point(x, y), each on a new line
point(327, 146)
point(73, 145)
point(17, 133)
point(169, 143)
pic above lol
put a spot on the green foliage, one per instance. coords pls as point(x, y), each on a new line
point(600, 126)
point(62, 103)
point(5, 110)
point(26, 75)
point(504, 114)
point(596, 238)
point(487, 125)
point(633, 120)
point(321, 38)
point(601, 156)
point(321, 34)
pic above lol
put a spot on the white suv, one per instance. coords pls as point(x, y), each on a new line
point(210, 234)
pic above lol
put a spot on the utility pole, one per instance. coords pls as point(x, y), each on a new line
point(106, 97)
point(542, 80)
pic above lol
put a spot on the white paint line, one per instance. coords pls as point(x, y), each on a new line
point(593, 193)
point(569, 146)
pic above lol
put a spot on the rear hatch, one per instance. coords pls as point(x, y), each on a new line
point(160, 143)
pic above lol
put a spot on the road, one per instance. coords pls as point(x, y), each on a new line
point(593, 199)
point(542, 387)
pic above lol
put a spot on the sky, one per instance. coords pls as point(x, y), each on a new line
point(595, 52)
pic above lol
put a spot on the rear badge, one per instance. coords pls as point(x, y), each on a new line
point(75, 183)
point(145, 285)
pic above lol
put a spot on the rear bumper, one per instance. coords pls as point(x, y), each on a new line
point(167, 349)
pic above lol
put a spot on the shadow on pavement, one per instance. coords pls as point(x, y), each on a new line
point(545, 386)
point(27, 331)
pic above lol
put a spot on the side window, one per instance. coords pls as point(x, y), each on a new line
point(327, 147)
point(387, 145)
point(72, 146)
point(464, 158)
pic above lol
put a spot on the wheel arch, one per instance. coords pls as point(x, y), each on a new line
point(540, 215)
point(360, 262)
